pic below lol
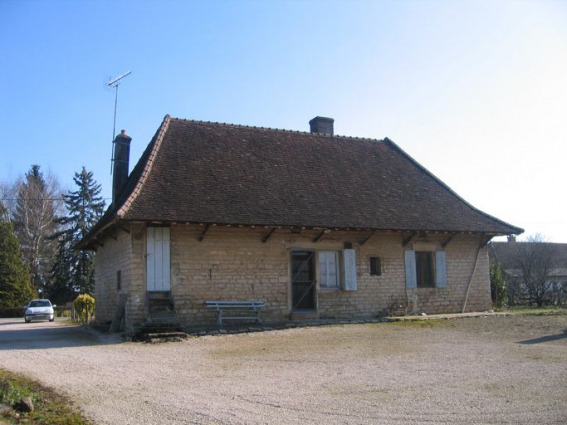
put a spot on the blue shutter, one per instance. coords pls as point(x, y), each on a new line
point(441, 269)
point(411, 274)
point(349, 258)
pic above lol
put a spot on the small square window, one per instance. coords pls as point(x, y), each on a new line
point(375, 266)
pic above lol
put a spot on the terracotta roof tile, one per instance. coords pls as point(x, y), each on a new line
point(194, 171)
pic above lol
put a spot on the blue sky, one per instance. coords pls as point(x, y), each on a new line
point(476, 91)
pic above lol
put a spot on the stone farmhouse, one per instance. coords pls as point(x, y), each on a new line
point(312, 224)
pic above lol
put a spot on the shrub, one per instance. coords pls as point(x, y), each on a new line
point(498, 286)
point(84, 306)
point(9, 312)
point(11, 394)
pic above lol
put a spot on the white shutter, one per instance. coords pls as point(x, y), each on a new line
point(441, 269)
point(157, 259)
point(411, 273)
point(349, 257)
point(150, 259)
point(165, 260)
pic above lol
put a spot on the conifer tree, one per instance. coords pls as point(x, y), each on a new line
point(15, 287)
point(73, 271)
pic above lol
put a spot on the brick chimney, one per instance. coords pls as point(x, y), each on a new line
point(322, 125)
point(121, 163)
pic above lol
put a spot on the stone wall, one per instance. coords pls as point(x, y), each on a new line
point(115, 255)
point(234, 263)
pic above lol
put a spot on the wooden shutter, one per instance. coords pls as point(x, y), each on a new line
point(349, 257)
point(411, 273)
point(157, 259)
point(441, 269)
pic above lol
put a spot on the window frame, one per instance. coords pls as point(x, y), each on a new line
point(375, 265)
point(338, 263)
point(424, 258)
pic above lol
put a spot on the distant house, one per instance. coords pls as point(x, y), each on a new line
point(312, 224)
point(508, 256)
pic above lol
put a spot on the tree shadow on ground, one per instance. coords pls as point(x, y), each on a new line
point(547, 338)
point(17, 335)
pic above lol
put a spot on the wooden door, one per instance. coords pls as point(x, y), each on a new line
point(157, 259)
point(303, 288)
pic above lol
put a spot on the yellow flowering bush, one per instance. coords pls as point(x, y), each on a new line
point(84, 306)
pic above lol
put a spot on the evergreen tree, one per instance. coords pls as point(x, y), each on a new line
point(15, 287)
point(73, 272)
point(34, 221)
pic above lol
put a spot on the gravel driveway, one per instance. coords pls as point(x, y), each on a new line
point(495, 370)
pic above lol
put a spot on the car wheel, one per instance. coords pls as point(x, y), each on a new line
point(28, 320)
point(52, 319)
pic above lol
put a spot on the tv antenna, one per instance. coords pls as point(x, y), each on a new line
point(114, 84)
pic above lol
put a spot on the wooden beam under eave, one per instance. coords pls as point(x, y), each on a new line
point(485, 239)
point(268, 235)
point(367, 238)
point(409, 239)
point(319, 236)
point(204, 232)
point(124, 229)
point(448, 240)
point(111, 234)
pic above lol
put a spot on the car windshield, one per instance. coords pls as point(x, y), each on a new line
point(40, 304)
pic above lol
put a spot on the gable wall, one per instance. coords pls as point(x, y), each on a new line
point(113, 256)
point(125, 253)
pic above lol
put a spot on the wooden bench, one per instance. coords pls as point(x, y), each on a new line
point(248, 309)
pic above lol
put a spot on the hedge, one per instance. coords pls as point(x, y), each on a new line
point(6, 312)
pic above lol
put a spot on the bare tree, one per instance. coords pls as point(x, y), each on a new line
point(535, 262)
point(37, 203)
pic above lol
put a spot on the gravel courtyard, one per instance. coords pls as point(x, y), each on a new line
point(496, 370)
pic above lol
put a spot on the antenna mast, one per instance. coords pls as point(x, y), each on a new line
point(114, 84)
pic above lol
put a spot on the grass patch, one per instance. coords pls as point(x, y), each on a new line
point(50, 407)
point(417, 323)
point(534, 311)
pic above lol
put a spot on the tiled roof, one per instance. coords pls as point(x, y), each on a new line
point(194, 171)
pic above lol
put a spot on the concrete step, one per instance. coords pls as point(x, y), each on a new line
point(304, 315)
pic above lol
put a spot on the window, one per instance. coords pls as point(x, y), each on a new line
point(426, 269)
point(118, 280)
point(375, 266)
point(329, 270)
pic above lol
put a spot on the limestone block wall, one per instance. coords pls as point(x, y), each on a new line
point(229, 263)
point(136, 306)
point(113, 256)
point(461, 254)
point(233, 263)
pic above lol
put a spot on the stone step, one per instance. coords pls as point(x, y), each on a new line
point(161, 308)
point(159, 295)
point(160, 337)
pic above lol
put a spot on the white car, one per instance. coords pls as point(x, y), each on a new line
point(39, 310)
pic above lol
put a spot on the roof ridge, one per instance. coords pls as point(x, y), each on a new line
point(283, 130)
point(147, 168)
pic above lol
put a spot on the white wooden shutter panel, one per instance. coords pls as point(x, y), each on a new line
point(411, 273)
point(441, 269)
point(349, 260)
point(150, 258)
point(157, 259)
